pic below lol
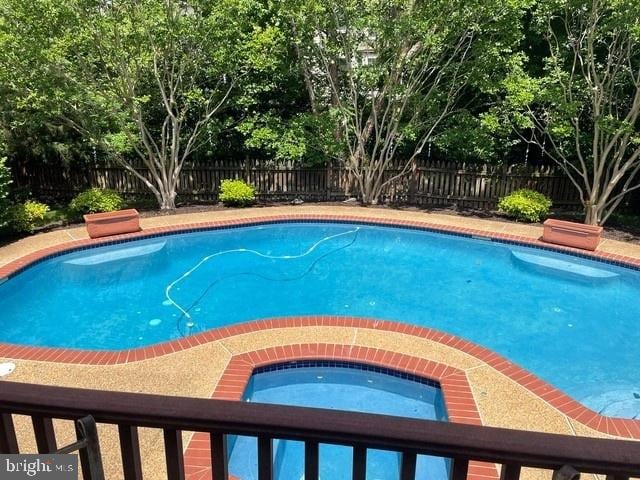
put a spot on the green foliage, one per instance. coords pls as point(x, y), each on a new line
point(266, 132)
point(139, 79)
point(95, 200)
point(26, 217)
point(236, 193)
point(581, 105)
point(527, 205)
point(479, 138)
point(397, 76)
point(5, 181)
point(44, 109)
point(77, 79)
point(304, 139)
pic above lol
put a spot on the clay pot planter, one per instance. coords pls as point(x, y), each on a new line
point(112, 223)
point(571, 234)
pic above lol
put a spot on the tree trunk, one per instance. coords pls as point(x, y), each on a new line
point(167, 200)
point(370, 194)
point(592, 213)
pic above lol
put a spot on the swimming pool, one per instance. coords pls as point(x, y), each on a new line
point(571, 321)
point(342, 386)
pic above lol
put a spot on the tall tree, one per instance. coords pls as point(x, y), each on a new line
point(143, 80)
point(5, 181)
point(585, 110)
point(169, 67)
point(392, 73)
point(35, 43)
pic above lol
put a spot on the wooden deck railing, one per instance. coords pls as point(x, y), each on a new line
point(512, 449)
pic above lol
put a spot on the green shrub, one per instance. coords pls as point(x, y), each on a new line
point(5, 181)
point(25, 217)
point(95, 200)
point(525, 204)
point(236, 193)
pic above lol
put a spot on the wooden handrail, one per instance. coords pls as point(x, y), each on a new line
point(497, 445)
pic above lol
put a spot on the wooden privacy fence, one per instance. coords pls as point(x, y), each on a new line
point(431, 183)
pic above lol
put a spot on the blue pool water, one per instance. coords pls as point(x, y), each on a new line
point(572, 321)
point(342, 388)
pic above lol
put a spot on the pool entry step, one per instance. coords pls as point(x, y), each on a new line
point(115, 255)
point(549, 264)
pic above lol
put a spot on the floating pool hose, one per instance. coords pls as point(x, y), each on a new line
point(184, 312)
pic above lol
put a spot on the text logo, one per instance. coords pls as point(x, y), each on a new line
point(38, 467)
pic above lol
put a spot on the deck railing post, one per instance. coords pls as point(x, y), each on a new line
point(311, 460)
point(408, 466)
point(8, 439)
point(459, 469)
point(265, 458)
point(173, 454)
point(510, 471)
point(219, 458)
point(359, 463)
point(44, 433)
point(130, 452)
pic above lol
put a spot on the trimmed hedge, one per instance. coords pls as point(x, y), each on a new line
point(525, 204)
point(25, 217)
point(95, 200)
point(236, 193)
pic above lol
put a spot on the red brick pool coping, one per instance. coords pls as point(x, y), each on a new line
point(458, 397)
point(627, 428)
point(21, 263)
point(621, 427)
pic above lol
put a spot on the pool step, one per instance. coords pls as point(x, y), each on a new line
point(119, 254)
point(562, 266)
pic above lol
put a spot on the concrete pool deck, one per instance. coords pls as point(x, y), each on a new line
point(27, 245)
point(197, 369)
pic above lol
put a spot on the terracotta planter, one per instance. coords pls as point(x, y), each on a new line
point(112, 223)
point(571, 234)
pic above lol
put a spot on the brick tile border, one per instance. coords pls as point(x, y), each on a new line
point(627, 428)
point(458, 398)
point(15, 266)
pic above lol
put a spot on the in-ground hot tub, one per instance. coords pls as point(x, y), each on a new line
point(343, 386)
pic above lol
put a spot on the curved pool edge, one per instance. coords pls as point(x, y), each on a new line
point(16, 266)
point(627, 428)
point(552, 396)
